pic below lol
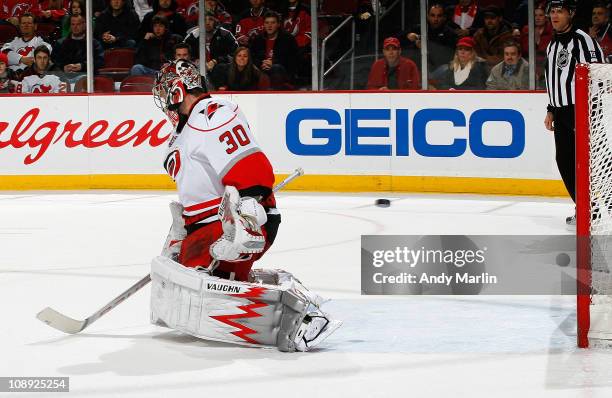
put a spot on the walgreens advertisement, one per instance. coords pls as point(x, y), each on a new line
point(488, 135)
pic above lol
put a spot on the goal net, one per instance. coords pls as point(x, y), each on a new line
point(594, 203)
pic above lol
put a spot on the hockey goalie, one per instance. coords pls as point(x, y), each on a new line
point(225, 220)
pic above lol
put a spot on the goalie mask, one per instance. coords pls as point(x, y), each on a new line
point(171, 85)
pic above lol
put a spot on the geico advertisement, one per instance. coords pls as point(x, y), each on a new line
point(436, 134)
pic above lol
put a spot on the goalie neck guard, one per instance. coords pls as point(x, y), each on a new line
point(172, 83)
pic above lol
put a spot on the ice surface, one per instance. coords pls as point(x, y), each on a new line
point(75, 251)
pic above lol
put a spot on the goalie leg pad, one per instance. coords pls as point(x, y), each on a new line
point(255, 314)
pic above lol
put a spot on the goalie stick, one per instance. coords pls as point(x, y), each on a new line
point(69, 325)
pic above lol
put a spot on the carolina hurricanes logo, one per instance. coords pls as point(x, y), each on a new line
point(211, 109)
point(42, 88)
point(173, 164)
point(177, 95)
point(24, 51)
point(253, 294)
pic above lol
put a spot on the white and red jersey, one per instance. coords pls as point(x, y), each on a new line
point(42, 84)
point(16, 8)
point(214, 148)
point(297, 22)
point(18, 48)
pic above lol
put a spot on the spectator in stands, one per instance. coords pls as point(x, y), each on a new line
point(117, 26)
point(296, 20)
point(224, 18)
point(98, 7)
point(220, 42)
point(12, 10)
point(393, 72)
point(275, 51)
point(50, 11)
point(242, 75)
point(466, 71)
point(251, 22)
point(165, 8)
point(20, 49)
point(489, 40)
point(182, 51)
point(543, 35)
point(441, 38)
point(236, 7)
point(512, 73)
point(143, 7)
point(156, 49)
point(189, 9)
point(466, 18)
point(7, 78)
point(70, 53)
point(37, 80)
point(600, 28)
point(77, 7)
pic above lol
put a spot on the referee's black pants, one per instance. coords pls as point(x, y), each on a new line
point(565, 146)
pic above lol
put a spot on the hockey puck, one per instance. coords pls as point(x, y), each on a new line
point(382, 202)
point(562, 259)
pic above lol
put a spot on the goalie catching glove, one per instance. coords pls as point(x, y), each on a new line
point(241, 219)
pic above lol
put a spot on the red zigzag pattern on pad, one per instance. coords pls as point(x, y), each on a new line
point(252, 294)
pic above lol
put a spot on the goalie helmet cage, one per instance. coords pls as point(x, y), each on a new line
point(594, 204)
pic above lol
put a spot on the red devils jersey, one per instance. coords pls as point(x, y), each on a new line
point(215, 148)
point(189, 10)
point(250, 25)
point(297, 23)
point(56, 15)
point(42, 84)
point(18, 48)
point(16, 8)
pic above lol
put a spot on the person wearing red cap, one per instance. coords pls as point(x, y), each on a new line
point(393, 72)
point(466, 71)
point(7, 83)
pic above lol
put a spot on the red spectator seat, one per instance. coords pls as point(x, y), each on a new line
point(137, 84)
point(102, 84)
point(119, 58)
point(117, 63)
point(7, 32)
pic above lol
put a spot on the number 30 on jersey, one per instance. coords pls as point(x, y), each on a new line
point(234, 138)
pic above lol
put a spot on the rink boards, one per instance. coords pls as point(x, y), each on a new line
point(346, 141)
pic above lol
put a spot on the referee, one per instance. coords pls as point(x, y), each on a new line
point(568, 47)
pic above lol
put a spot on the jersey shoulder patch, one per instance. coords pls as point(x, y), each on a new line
point(212, 114)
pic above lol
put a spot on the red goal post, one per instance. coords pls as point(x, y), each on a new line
point(594, 203)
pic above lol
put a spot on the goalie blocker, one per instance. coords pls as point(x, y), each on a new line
point(273, 309)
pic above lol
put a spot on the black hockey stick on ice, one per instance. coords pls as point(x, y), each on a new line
point(66, 324)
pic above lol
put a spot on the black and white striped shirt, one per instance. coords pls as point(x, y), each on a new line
point(564, 52)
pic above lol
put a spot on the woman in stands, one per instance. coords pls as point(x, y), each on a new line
point(241, 74)
point(466, 71)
